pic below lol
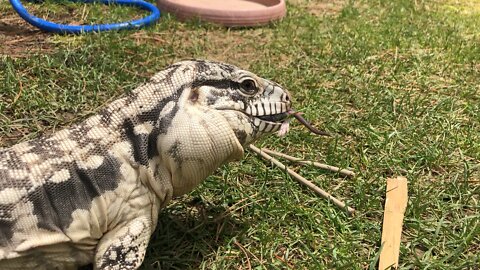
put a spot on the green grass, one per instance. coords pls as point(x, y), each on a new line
point(397, 82)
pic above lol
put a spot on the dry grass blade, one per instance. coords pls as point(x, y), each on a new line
point(303, 181)
point(249, 266)
point(316, 164)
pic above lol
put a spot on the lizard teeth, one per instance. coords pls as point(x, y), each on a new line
point(268, 127)
point(248, 110)
point(262, 126)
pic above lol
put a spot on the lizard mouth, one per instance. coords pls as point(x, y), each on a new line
point(279, 117)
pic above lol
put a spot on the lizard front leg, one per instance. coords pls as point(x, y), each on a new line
point(124, 248)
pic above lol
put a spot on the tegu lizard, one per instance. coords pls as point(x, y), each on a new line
point(91, 193)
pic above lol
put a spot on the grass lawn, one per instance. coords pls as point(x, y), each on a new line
point(396, 82)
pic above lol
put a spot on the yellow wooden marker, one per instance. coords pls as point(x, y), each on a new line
point(395, 205)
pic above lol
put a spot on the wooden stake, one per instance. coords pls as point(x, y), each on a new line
point(395, 205)
point(303, 181)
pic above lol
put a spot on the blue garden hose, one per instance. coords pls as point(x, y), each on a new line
point(77, 29)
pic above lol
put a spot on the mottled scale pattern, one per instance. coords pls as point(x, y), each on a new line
point(91, 193)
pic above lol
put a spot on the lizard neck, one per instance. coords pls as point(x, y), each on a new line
point(200, 141)
point(189, 142)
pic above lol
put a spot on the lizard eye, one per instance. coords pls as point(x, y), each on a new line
point(248, 86)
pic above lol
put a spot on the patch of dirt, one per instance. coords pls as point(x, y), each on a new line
point(237, 47)
point(320, 7)
point(19, 39)
point(467, 7)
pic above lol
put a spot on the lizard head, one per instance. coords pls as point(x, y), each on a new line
point(207, 113)
point(253, 106)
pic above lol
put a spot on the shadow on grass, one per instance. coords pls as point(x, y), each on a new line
point(187, 234)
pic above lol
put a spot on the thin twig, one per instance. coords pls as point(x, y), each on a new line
point(304, 181)
point(302, 120)
point(316, 164)
point(289, 265)
point(244, 252)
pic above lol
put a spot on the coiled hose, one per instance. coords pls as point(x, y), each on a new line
point(78, 29)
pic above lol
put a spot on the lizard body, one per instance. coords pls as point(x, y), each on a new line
point(91, 193)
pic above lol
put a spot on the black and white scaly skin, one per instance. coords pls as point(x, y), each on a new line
point(91, 193)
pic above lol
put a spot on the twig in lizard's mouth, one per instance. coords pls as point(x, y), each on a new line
point(298, 116)
point(285, 120)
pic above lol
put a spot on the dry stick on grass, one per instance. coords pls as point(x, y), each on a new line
point(303, 181)
point(249, 266)
point(316, 164)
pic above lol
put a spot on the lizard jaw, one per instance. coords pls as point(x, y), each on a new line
point(279, 117)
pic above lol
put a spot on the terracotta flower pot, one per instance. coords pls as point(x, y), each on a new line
point(226, 12)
